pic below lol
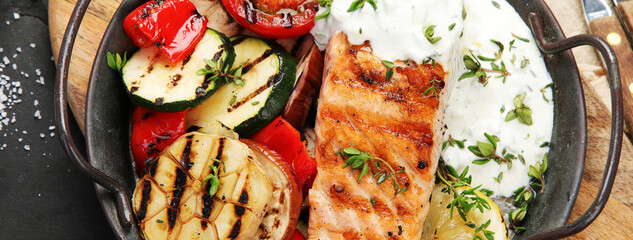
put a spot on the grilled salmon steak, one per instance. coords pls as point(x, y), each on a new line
point(396, 118)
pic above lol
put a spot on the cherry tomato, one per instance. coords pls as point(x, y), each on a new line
point(152, 132)
point(266, 19)
point(174, 26)
point(284, 139)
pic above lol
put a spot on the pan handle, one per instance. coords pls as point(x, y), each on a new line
point(124, 207)
point(615, 143)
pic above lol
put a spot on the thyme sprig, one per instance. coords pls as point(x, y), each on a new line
point(433, 89)
point(473, 64)
point(357, 159)
point(213, 178)
point(453, 142)
point(525, 195)
point(115, 61)
point(487, 151)
point(214, 70)
point(521, 112)
point(464, 201)
point(327, 4)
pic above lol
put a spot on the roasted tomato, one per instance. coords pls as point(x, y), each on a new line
point(282, 138)
point(174, 26)
point(152, 132)
point(274, 18)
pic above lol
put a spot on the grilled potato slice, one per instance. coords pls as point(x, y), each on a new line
point(172, 201)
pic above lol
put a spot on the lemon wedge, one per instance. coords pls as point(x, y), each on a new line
point(440, 225)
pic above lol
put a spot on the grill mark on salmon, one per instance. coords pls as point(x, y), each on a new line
point(391, 119)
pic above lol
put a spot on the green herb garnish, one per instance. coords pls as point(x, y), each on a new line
point(429, 32)
point(389, 66)
point(115, 61)
point(521, 112)
point(357, 159)
point(358, 4)
point(324, 4)
point(213, 178)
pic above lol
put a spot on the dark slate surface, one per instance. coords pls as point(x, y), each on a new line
point(43, 195)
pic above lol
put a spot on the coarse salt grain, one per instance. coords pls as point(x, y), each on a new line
point(27, 147)
point(16, 15)
point(37, 114)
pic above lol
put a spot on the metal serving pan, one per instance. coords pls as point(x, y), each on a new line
point(108, 125)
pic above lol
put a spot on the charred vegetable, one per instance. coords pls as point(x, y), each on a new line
point(155, 83)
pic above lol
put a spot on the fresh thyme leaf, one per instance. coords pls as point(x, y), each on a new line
point(525, 62)
point(467, 75)
point(544, 144)
point(496, 4)
point(404, 189)
point(372, 201)
point(499, 177)
point(501, 48)
point(255, 103)
point(232, 100)
point(159, 221)
point(522, 112)
point(521, 38)
point(389, 65)
point(115, 61)
point(358, 4)
point(486, 59)
point(503, 109)
point(323, 15)
point(464, 13)
point(450, 27)
point(429, 33)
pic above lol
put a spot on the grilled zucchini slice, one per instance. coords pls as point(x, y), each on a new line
point(269, 76)
point(154, 82)
point(171, 200)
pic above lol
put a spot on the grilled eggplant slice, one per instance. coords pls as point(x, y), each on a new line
point(269, 76)
point(171, 200)
point(153, 82)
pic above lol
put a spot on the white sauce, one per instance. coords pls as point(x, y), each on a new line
point(474, 109)
point(396, 28)
point(396, 31)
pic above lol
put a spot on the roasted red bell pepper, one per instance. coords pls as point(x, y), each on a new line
point(152, 132)
point(174, 26)
point(266, 18)
point(298, 236)
point(282, 138)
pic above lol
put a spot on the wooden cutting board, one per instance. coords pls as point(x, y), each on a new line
point(611, 224)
